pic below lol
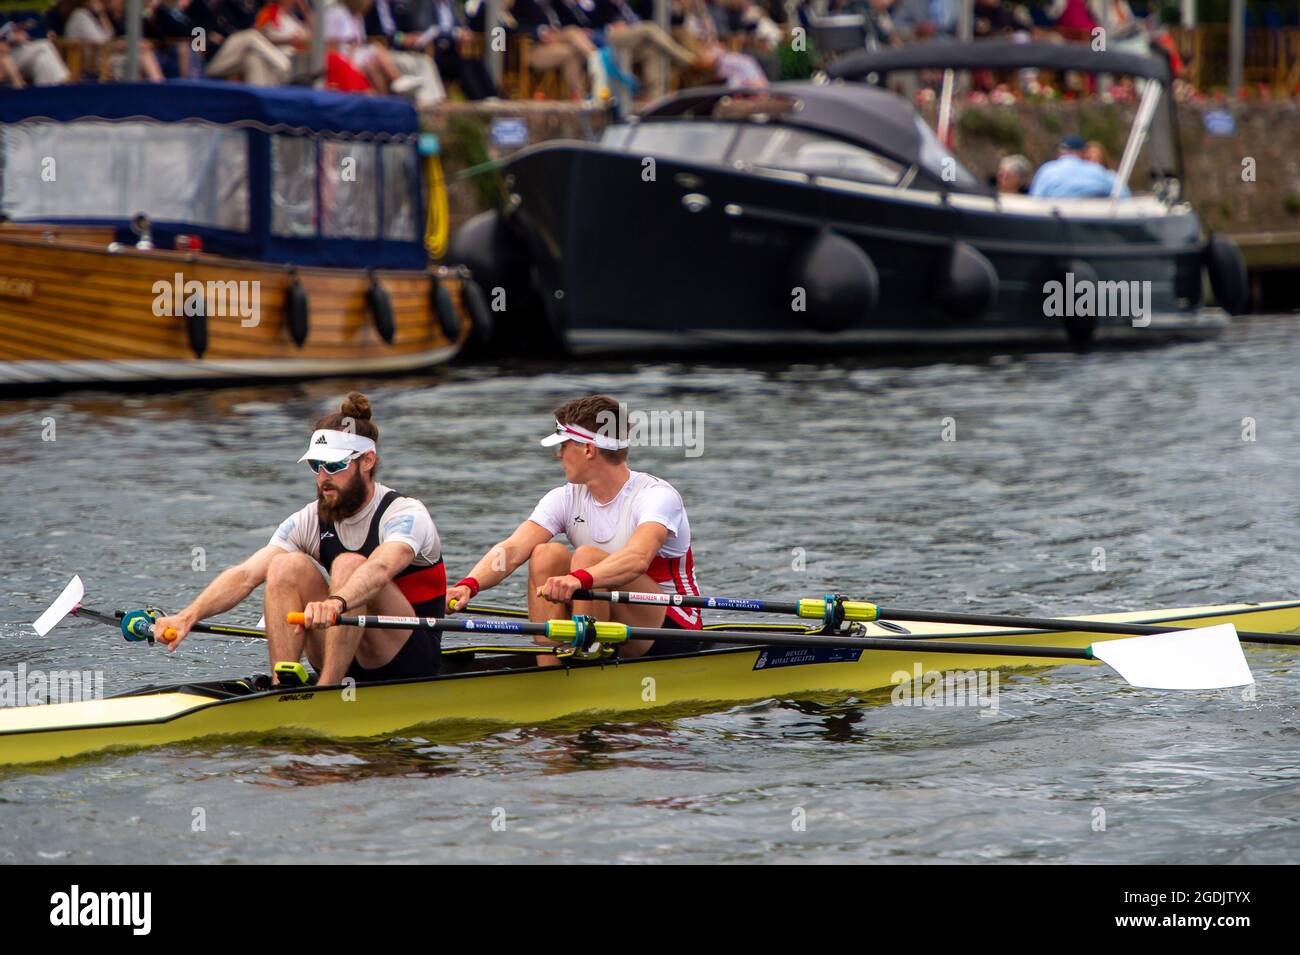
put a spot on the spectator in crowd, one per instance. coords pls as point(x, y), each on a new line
point(995, 18)
point(239, 49)
point(1014, 175)
point(1071, 176)
point(1095, 152)
point(1071, 16)
point(31, 57)
point(560, 44)
point(345, 26)
point(700, 35)
point(442, 29)
point(921, 19)
point(407, 51)
point(623, 29)
point(167, 23)
point(89, 21)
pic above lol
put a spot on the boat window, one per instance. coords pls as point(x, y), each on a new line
point(293, 186)
point(400, 191)
point(349, 190)
point(943, 165)
point(695, 141)
point(95, 169)
point(616, 136)
point(777, 147)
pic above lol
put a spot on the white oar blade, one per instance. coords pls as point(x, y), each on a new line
point(1206, 659)
point(67, 601)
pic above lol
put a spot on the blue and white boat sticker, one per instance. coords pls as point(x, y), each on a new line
point(773, 657)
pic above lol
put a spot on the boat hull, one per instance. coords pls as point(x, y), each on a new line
point(533, 696)
point(708, 258)
point(74, 313)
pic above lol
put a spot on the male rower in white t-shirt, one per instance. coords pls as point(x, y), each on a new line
point(628, 531)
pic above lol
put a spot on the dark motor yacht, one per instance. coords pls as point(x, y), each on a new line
point(828, 216)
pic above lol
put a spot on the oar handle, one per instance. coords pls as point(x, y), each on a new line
point(812, 608)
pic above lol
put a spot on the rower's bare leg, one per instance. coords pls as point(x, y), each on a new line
point(332, 651)
point(548, 560)
point(634, 615)
point(292, 581)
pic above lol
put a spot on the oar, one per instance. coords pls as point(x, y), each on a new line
point(815, 608)
point(134, 624)
point(1201, 659)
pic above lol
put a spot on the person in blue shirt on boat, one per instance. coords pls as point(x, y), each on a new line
point(1071, 176)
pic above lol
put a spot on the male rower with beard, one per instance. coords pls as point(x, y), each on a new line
point(628, 531)
point(359, 548)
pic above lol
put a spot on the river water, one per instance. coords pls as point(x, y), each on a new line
point(1117, 480)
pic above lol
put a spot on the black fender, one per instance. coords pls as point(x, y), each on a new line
point(1227, 270)
point(380, 306)
point(444, 308)
point(491, 250)
point(480, 314)
point(196, 328)
point(297, 312)
point(1079, 329)
point(966, 285)
point(841, 284)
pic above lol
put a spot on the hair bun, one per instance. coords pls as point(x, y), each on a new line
point(356, 405)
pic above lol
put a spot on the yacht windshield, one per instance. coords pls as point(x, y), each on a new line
point(761, 146)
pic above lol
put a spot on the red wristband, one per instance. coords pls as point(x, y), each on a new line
point(584, 578)
point(472, 584)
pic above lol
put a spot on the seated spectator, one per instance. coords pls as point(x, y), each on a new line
point(996, 18)
point(32, 58)
point(91, 22)
point(168, 24)
point(442, 29)
point(921, 19)
point(345, 28)
point(1094, 151)
point(241, 48)
point(700, 35)
point(561, 43)
point(407, 51)
point(1071, 17)
point(1014, 175)
point(1070, 176)
point(643, 40)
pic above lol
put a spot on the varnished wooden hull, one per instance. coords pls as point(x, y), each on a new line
point(71, 311)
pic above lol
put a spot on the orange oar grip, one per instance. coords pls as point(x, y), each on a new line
point(295, 618)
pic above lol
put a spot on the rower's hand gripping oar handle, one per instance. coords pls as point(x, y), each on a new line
point(137, 625)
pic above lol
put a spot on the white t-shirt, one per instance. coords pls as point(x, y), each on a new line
point(572, 510)
point(406, 520)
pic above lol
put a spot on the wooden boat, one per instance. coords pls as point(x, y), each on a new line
point(497, 686)
point(204, 231)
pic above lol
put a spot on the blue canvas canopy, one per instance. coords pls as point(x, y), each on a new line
point(281, 174)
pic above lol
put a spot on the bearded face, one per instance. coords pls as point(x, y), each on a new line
point(339, 496)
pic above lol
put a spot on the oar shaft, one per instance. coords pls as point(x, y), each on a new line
point(860, 610)
point(1080, 626)
point(559, 629)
